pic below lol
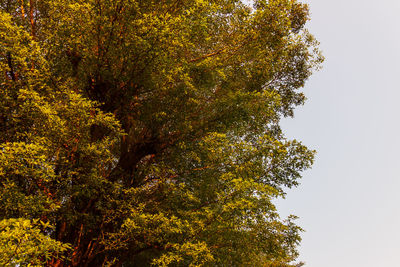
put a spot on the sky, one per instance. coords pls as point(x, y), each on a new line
point(349, 202)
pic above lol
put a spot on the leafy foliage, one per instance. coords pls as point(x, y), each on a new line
point(147, 132)
point(23, 243)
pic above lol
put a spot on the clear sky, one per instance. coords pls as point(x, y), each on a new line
point(349, 203)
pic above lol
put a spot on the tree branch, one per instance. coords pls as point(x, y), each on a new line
point(10, 65)
point(208, 55)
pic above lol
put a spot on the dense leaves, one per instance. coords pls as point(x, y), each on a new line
point(144, 133)
point(23, 242)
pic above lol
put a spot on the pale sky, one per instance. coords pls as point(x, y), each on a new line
point(349, 203)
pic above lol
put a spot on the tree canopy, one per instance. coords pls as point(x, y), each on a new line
point(142, 132)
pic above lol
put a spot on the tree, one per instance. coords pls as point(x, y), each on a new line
point(147, 132)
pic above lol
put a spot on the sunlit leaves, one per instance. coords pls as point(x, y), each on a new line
point(22, 242)
point(147, 132)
